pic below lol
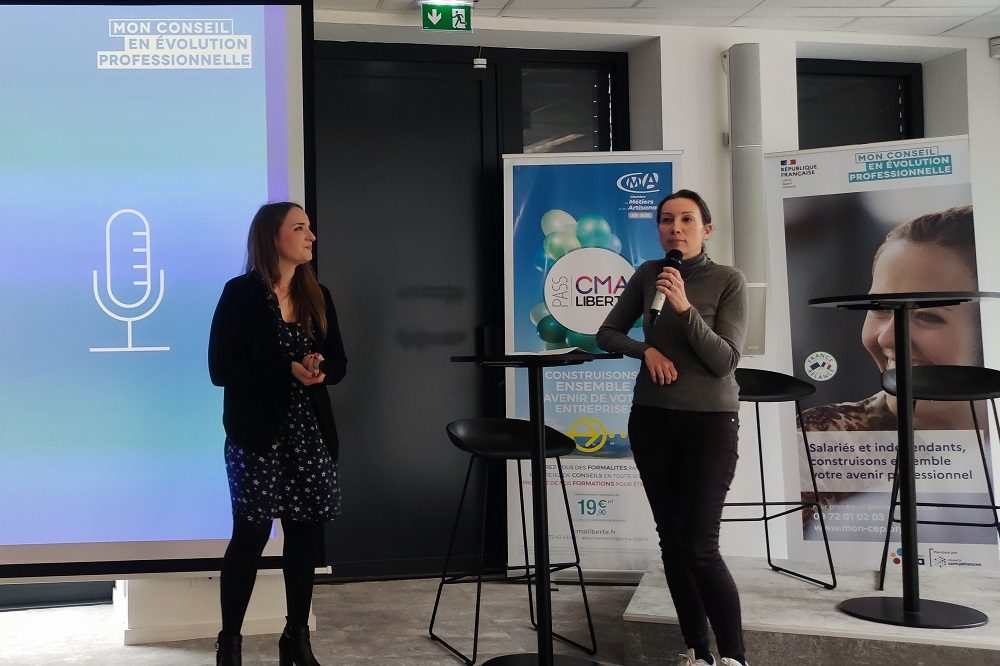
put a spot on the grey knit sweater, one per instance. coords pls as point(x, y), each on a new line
point(704, 343)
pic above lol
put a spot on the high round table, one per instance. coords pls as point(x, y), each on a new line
point(536, 405)
point(909, 610)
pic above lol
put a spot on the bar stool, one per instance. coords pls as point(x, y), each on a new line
point(759, 386)
point(947, 383)
point(507, 439)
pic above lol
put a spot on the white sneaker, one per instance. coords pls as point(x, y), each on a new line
point(688, 659)
point(726, 661)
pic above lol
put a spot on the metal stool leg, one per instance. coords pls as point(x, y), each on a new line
point(795, 506)
point(819, 506)
point(528, 567)
point(763, 489)
point(575, 564)
point(579, 571)
point(524, 542)
point(482, 555)
point(982, 455)
point(800, 506)
point(479, 574)
point(888, 526)
point(989, 489)
point(451, 544)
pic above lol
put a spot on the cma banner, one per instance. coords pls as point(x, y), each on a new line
point(577, 226)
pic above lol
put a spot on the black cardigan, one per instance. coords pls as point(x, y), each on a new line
point(244, 357)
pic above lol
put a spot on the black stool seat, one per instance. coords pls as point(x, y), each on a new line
point(759, 386)
point(505, 439)
point(955, 383)
point(947, 383)
point(769, 386)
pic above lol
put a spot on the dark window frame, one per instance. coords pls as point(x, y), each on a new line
point(910, 73)
point(508, 63)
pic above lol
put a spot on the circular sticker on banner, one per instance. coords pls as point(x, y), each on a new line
point(583, 286)
point(821, 366)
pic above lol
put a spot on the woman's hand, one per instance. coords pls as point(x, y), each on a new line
point(305, 376)
point(670, 283)
point(661, 369)
point(311, 362)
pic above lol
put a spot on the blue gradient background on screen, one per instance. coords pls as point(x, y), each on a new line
point(105, 447)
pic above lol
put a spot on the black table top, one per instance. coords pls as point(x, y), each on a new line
point(902, 300)
point(528, 360)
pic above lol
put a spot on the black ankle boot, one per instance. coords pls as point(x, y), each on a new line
point(294, 648)
point(229, 650)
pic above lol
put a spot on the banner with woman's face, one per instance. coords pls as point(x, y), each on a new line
point(885, 218)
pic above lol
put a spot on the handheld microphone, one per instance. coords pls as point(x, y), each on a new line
point(673, 260)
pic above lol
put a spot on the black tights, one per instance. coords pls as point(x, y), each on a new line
point(242, 558)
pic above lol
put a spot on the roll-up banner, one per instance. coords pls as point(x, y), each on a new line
point(576, 227)
point(887, 217)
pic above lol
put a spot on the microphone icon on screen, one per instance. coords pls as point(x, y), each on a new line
point(131, 235)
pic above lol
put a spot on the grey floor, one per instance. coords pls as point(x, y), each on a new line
point(359, 623)
point(788, 622)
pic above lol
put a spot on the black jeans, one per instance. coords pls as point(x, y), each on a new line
point(687, 461)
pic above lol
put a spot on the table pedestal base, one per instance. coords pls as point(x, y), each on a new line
point(932, 614)
point(531, 659)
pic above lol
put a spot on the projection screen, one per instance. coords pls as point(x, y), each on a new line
point(136, 143)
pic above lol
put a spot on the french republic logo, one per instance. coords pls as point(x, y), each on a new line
point(792, 168)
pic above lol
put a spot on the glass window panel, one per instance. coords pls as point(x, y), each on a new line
point(565, 108)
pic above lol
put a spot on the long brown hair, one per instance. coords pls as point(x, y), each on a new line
point(262, 256)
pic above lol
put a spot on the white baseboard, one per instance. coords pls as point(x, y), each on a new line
point(177, 609)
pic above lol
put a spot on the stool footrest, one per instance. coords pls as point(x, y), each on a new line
point(789, 503)
point(493, 574)
point(949, 505)
point(801, 576)
point(995, 523)
point(796, 506)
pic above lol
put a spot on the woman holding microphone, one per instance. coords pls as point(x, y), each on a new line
point(685, 416)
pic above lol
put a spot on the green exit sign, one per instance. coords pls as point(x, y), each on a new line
point(446, 16)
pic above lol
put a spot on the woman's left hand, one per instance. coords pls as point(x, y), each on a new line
point(670, 283)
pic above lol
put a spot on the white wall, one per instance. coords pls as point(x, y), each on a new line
point(646, 102)
point(984, 147)
point(693, 116)
point(946, 95)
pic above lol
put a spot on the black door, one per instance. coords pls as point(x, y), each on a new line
point(409, 234)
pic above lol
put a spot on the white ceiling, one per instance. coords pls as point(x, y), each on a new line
point(956, 18)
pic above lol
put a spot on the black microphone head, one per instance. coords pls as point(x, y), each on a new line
point(673, 259)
